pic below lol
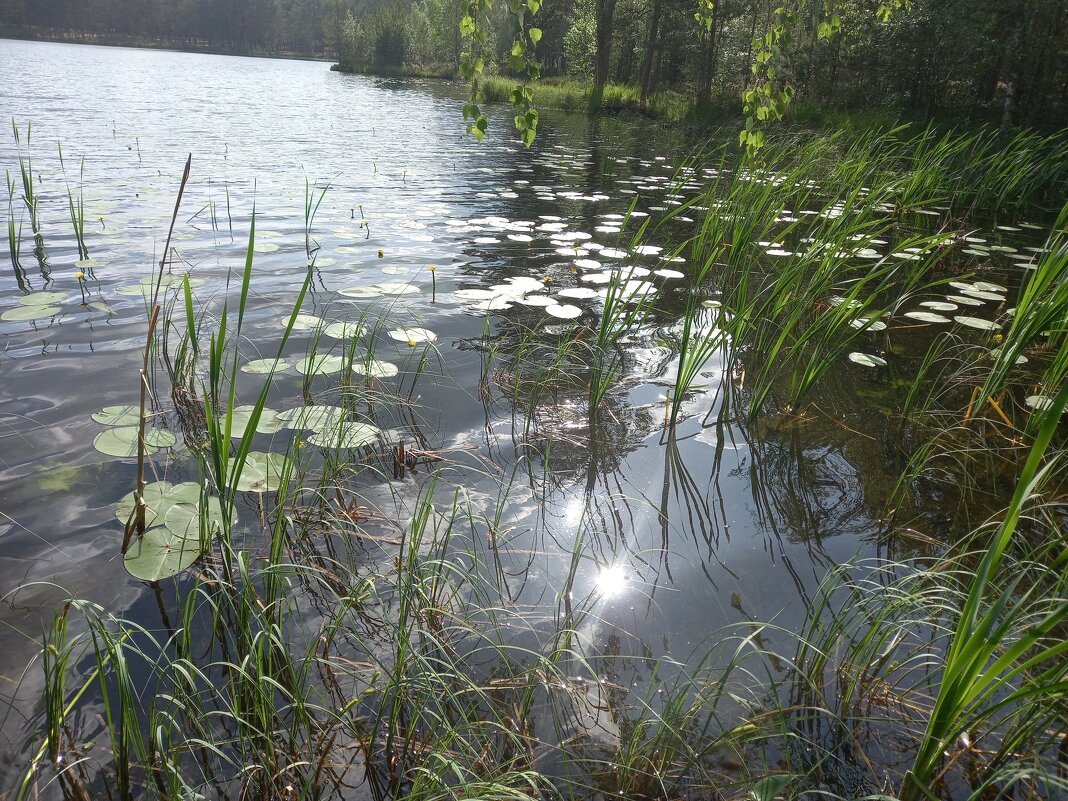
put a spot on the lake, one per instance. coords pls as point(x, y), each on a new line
point(669, 538)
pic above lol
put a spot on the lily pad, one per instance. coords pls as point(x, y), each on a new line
point(349, 436)
point(375, 368)
point(1039, 403)
point(158, 438)
point(413, 336)
point(25, 313)
point(344, 330)
point(866, 359)
point(926, 317)
point(160, 554)
point(43, 298)
point(320, 365)
point(160, 496)
point(563, 311)
point(269, 422)
point(360, 292)
point(262, 472)
point(315, 418)
point(265, 247)
point(304, 322)
point(183, 519)
point(579, 292)
point(977, 322)
point(263, 366)
point(118, 415)
point(397, 288)
point(868, 324)
point(120, 442)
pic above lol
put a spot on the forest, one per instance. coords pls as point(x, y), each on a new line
point(1004, 63)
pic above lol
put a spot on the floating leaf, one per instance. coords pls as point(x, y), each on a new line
point(263, 366)
point(265, 247)
point(1039, 403)
point(579, 292)
point(183, 519)
point(375, 368)
point(563, 311)
point(977, 322)
point(413, 336)
point(982, 294)
point(25, 313)
point(397, 288)
point(269, 422)
point(160, 554)
point(316, 418)
point(120, 442)
point(160, 496)
point(303, 322)
point(344, 330)
point(118, 415)
point(360, 292)
point(349, 436)
point(158, 438)
point(262, 472)
point(43, 298)
point(926, 317)
point(320, 365)
point(866, 359)
point(868, 324)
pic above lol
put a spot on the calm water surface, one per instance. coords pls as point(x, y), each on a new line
point(720, 526)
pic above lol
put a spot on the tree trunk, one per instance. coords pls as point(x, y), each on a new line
point(606, 10)
point(650, 53)
point(707, 67)
point(1011, 77)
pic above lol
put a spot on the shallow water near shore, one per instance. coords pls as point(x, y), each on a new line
point(678, 535)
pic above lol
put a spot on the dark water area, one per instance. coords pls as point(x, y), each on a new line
point(677, 537)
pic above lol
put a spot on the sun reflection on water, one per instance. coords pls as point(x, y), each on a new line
point(611, 581)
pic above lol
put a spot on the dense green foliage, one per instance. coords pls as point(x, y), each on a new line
point(983, 59)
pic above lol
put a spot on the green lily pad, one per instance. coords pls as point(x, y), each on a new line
point(262, 472)
point(868, 324)
point(265, 247)
point(320, 365)
point(269, 422)
point(866, 359)
point(977, 322)
point(118, 415)
point(344, 330)
point(360, 292)
point(413, 336)
point(926, 317)
point(303, 322)
point(314, 418)
point(160, 496)
point(375, 368)
point(122, 441)
point(183, 519)
point(158, 438)
point(349, 436)
point(43, 298)
point(160, 554)
point(263, 366)
point(25, 313)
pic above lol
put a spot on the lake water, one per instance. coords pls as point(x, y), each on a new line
point(721, 525)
